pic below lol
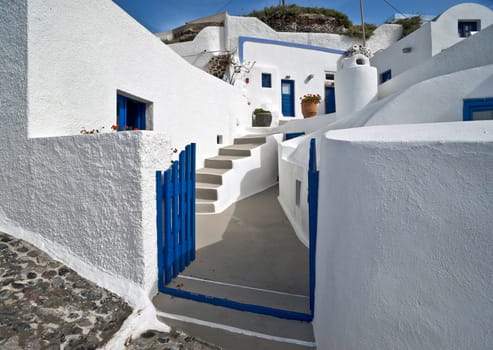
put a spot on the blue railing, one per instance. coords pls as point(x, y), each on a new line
point(175, 201)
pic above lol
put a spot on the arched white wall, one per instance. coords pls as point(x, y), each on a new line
point(404, 238)
point(444, 31)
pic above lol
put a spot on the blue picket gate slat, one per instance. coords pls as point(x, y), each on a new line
point(175, 194)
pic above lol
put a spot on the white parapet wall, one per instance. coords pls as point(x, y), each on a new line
point(404, 258)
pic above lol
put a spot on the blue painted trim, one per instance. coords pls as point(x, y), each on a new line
point(160, 232)
point(168, 237)
point(476, 105)
point(257, 309)
point(245, 39)
point(192, 184)
point(292, 135)
point(313, 182)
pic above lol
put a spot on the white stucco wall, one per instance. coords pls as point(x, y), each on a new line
point(87, 200)
point(236, 26)
point(397, 61)
point(302, 63)
point(404, 238)
point(198, 52)
point(431, 39)
point(80, 54)
point(414, 105)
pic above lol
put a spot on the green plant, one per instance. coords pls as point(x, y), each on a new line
point(409, 25)
point(260, 110)
point(311, 98)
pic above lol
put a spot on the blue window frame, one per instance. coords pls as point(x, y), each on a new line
point(387, 75)
point(266, 80)
point(478, 109)
point(466, 27)
point(131, 114)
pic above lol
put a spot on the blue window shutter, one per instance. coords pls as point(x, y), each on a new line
point(121, 112)
point(141, 120)
point(266, 80)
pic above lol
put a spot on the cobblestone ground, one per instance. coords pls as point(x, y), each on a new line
point(46, 305)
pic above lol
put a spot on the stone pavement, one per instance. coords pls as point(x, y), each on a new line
point(46, 305)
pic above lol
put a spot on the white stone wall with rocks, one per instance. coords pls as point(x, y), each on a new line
point(404, 238)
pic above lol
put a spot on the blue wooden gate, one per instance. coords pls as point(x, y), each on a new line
point(176, 233)
point(175, 201)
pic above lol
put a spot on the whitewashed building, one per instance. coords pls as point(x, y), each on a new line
point(259, 63)
point(454, 25)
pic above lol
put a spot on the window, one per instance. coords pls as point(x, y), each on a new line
point(329, 75)
point(465, 27)
point(131, 113)
point(478, 109)
point(266, 80)
point(387, 75)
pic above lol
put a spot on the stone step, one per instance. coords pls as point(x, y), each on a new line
point(210, 175)
point(221, 162)
point(232, 329)
point(204, 206)
point(242, 149)
point(206, 190)
point(258, 139)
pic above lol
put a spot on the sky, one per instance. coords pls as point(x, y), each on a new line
point(163, 15)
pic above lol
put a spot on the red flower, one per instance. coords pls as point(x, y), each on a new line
point(126, 127)
point(114, 127)
point(136, 129)
point(175, 150)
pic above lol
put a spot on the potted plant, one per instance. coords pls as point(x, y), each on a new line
point(261, 117)
point(309, 104)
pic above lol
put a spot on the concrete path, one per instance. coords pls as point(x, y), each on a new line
point(249, 253)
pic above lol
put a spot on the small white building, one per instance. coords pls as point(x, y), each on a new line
point(274, 69)
point(452, 26)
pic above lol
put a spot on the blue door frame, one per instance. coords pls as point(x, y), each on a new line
point(166, 247)
point(287, 97)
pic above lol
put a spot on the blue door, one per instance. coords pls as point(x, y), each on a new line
point(330, 99)
point(287, 97)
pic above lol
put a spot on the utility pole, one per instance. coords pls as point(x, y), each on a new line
point(362, 21)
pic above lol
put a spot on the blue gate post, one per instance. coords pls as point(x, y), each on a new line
point(313, 175)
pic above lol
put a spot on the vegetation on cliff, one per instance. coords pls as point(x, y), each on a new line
point(294, 18)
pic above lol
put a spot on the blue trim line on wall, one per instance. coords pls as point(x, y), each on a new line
point(244, 39)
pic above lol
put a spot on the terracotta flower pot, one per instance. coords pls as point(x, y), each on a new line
point(309, 109)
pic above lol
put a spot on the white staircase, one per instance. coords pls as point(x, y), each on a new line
point(238, 171)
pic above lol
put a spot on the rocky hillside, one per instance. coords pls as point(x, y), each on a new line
point(294, 18)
